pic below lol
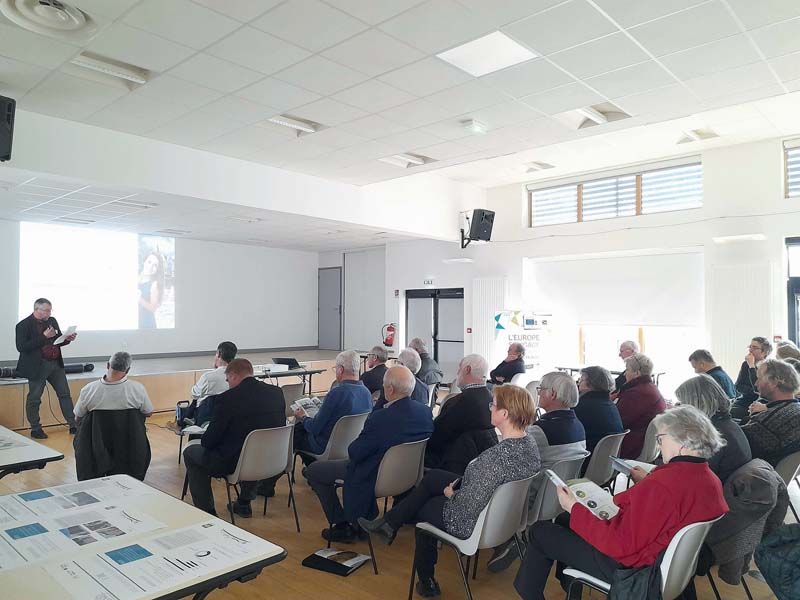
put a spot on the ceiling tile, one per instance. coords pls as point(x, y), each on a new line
point(467, 97)
point(686, 29)
point(600, 56)
point(408, 140)
point(504, 114)
point(374, 11)
point(436, 25)
point(426, 77)
point(373, 126)
point(757, 92)
point(373, 53)
point(137, 114)
point(215, 73)
point(321, 75)
point(633, 12)
point(417, 113)
point(568, 97)
point(181, 21)
point(72, 94)
point(138, 48)
point(787, 67)
point(291, 151)
point(310, 24)
point(241, 10)
point(33, 49)
point(111, 9)
point(781, 38)
point(733, 80)
point(273, 92)
point(444, 150)
point(659, 100)
point(530, 77)
point(561, 27)
point(257, 50)
point(238, 110)
point(502, 12)
point(373, 96)
point(764, 12)
point(630, 80)
point(17, 77)
point(733, 51)
point(328, 112)
point(177, 91)
point(335, 137)
point(449, 129)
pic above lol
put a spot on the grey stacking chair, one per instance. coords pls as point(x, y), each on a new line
point(600, 469)
point(344, 432)
point(400, 470)
point(677, 567)
point(292, 392)
point(789, 468)
point(546, 506)
point(650, 450)
point(496, 524)
point(432, 388)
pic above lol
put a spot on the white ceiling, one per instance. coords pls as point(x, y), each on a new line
point(27, 196)
point(366, 69)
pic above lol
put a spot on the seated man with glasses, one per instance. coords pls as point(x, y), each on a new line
point(376, 363)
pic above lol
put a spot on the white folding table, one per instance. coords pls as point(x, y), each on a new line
point(19, 453)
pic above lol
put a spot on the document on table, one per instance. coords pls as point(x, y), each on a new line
point(9, 442)
point(171, 559)
point(42, 539)
point(63, 337)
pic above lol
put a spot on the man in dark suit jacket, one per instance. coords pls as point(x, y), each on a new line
point(40, 361)
point(248, 405)
point(401, 420)
point(513, 364)
point(376, 363)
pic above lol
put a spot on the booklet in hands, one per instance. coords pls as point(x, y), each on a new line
point(599, 502)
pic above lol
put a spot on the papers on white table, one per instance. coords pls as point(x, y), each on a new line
point(171, 559)
point(7, 442)
point(63, 337)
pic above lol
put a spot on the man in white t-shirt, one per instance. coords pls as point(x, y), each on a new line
point(114, 391)
point(214, 382)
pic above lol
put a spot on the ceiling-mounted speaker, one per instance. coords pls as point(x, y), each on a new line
point(7, 108)
point(480, 227)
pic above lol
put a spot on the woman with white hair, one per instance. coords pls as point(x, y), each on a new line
point(680, 492)
point(638, 403)
point(705, 394)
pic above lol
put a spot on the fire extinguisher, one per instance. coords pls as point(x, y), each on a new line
point(388, 332)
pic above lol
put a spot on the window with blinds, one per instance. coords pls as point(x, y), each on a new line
point(654, 191)
point(792, 158)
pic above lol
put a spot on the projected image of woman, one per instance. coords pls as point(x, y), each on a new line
point(151, 289)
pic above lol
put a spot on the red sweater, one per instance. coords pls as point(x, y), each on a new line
point(639, 402)
point(653, 511)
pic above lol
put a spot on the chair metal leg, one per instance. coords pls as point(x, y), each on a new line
point(794, 512)
point(230, 502)
point(714, 586)
point(464, 574)
point(469, 562)
point(294, 464)
point(746, 589)
point(519, 547)
point(185, 485)
point(385, 504)
point(372, 554)
point(180, 448)
point(293, 502)
point(475, 565)
point(413, 573)
point(265, 506)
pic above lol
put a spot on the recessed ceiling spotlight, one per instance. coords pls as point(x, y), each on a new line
point(591, 113)
point(697, 135)
point(535, 166)
point(110, 67)
point(474, 126)
point(487, 54)
point(296, 124)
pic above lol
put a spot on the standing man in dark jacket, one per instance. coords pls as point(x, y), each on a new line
point(468, 411)
point(703, 362)
point(429, 372)
point(401, 420)
point(40, 361)
point(376, 363)
point(595, 410)
point(757, 351)
point(248, 405)
point(626, 349)
point(513, 364)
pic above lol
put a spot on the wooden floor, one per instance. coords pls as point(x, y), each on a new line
point(289, 579)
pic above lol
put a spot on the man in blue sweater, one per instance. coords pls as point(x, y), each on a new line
point(703, 362)
point(350, 397)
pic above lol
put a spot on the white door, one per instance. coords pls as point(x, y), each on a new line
point(330, 309)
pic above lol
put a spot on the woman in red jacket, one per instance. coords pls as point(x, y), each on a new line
point(681, 491)
point(638, 403)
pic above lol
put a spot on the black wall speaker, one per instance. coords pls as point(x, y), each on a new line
point(480, 228)
point(7, 107)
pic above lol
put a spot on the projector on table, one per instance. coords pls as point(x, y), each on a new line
point(270, 368)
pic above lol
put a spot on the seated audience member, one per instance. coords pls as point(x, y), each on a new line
point(681, 491)
point(114, 391)
point(453, 504)
point(558, 434)
point(248, 405)
point(595, 410)
point(703, 362)
point(513, 364)
point(638, 403)
point(210, 383)
point(401, 420)
point(467, 413)
point(429, 372)
point(350, 397)
point(704, 393)
point(774, 428)
point(626, 349)
point(794, 362)
point(786, 349)
point(409, 358)
point(757, 351)
point(376, 363)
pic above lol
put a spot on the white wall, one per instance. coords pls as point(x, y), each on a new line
point(255, 297)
